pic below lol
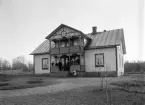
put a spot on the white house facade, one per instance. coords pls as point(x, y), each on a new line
point(94, 54)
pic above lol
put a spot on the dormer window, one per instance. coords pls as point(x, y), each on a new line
point(67, 44)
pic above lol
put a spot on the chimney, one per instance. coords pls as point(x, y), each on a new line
point(94, 30)
point(104, 30)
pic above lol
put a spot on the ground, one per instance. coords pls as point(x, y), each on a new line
point(73, 91)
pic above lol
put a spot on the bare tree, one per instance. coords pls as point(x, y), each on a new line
point(5, 64)
point(19, 63)
point(30, 66)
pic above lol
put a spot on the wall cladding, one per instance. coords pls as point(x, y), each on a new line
point(109, 60)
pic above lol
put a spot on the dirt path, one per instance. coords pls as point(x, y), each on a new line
point(64, 85)
point(80, 93)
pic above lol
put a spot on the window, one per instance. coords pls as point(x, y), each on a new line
point(99, 60)
point(71, 42)
point(56, 44)
point(85, 41)
point(76, 42)
point(62, 44)
point(44, 63)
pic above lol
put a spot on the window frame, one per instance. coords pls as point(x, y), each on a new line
point(43, 62)
point(103, 60)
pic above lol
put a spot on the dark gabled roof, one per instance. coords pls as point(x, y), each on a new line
point(43, 48)
point(101, 39)
point(63, 25)
point(108, 38)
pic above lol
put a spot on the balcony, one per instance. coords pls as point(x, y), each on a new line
point(76, 49)
point(64, 50)
point(55, 51)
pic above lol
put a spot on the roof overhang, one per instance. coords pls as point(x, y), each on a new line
point(100, 47)
point(39, 53)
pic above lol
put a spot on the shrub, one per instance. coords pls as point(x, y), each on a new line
point(35, 82)
point(136, 66)
point(4, 84)
point(4, 78)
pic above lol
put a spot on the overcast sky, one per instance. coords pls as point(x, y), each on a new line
point(24, 24)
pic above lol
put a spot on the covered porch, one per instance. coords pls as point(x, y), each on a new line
point(64, 64)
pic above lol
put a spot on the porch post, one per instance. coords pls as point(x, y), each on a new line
point(50, 54)
point(59, 51)
point(34, 64)
point(80, 52)
point(59, 45)
point(80, 62)
point(69, 53)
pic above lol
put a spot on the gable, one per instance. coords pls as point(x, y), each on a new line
point(101, 39)
point(65, 31)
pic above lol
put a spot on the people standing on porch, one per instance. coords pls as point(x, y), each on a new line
point(77, 61)
point(72, 61)
point(57, 63)
point(67, 64)
point(63, 65)
point(52, 63)
point(60, 65)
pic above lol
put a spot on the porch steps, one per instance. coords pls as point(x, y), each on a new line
point(59, 74)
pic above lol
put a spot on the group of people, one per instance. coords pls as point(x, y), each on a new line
point(64, 65)
point(75, 61)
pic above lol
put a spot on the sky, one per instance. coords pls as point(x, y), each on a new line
point(24, 24)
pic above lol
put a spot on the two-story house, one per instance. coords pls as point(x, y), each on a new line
point(67, 49)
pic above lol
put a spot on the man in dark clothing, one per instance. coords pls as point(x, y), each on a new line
point(60, 65)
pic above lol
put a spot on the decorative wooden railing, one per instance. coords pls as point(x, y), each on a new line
point(66, 50)
point(74, 49)
point(54, 51)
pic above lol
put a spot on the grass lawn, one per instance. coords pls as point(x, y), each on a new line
point(135, 83)
point(87, 95)
point(25, 81)
point(82, 96)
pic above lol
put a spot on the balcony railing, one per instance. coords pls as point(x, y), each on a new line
point(64, 50)
point(74, 49)
point(55, 51)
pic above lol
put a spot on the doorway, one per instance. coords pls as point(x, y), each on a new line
point(64, 63)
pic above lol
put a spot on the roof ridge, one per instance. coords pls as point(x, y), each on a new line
point(105, 31)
